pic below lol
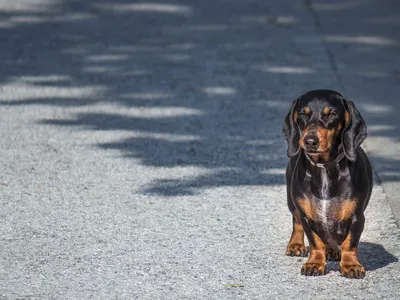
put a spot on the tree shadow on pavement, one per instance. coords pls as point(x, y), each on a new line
point(190, 82)
point(202, 84)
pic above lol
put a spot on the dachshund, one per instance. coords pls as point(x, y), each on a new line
point(329, 181)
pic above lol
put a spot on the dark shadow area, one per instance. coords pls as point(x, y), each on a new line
point(372, 256)
point(197, 83)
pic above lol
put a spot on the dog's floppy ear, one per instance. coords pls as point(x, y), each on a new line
point(291, 131)
point(355, 131)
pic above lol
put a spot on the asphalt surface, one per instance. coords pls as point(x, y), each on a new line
point(142, 155)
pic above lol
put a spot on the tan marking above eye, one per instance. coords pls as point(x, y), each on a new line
point(327, 110)
point(306, 110)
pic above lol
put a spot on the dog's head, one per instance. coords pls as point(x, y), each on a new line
point(322, 120)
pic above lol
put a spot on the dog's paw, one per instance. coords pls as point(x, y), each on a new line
point(353, 271)
point(333, 254)
point(296, 250)
point(313, 269)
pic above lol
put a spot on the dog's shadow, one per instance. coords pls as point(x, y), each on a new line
point(372, 256)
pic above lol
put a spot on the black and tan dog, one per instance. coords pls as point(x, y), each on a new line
point(329, 181)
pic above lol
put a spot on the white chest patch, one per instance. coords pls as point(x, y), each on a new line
point(323, 210)
point(325, 183)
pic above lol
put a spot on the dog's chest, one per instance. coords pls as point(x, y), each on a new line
point(321, 195)
point(326, 218)
point(323, 186)
point(324, 211)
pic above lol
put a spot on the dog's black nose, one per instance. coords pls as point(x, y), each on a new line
point(311, 143)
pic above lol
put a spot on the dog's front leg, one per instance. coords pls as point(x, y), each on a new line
point(349, 263)
point(316, 263)
point(296, 245)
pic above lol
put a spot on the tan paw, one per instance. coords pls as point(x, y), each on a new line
point(353, 271)
point(296, 250)
point(313, 269)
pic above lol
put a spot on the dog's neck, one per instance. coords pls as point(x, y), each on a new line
point(315, 160)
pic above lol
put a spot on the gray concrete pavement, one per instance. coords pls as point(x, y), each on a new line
point(141, 147)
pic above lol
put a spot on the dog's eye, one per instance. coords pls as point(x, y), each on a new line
point(329, 114)
point(303, 114)
point(332, 114)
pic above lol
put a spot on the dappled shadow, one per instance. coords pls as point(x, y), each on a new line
point(189, 83)
point(201, 84)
